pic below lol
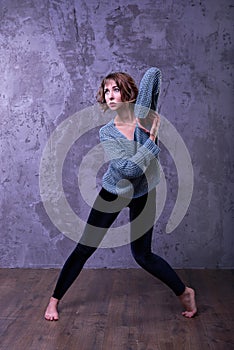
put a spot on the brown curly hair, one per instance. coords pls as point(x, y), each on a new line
point(125, 83)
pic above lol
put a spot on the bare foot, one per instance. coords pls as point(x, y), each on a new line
point(188, 301)
point(51, 313)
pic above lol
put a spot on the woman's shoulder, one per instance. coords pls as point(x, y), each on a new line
point(105, 129)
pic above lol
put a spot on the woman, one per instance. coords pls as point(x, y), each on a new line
point(130, 181)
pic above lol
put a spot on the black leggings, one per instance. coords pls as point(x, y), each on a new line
point(142, 214)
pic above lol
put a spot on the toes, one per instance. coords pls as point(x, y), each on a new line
point(51, 318)
point(47, 317)
point(189, 314)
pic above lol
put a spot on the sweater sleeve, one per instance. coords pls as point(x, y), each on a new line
point(130, 158)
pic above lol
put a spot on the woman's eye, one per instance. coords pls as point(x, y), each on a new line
point(106, 92)
point(116, 89)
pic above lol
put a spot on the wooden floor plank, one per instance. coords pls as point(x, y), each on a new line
point(115, 310)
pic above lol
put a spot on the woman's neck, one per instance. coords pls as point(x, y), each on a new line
point(125, 116)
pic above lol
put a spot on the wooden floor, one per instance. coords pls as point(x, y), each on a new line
point(115, 310)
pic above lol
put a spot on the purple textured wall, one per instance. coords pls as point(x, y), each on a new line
point(53, 56)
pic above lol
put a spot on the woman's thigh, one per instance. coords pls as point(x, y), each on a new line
point(101, 217)
point(142, 216)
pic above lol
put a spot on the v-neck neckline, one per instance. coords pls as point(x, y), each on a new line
point(121, 133)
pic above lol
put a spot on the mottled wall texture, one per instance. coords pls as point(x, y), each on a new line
point(53, 56)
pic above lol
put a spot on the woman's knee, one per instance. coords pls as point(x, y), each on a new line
point(141, 258)
point(83, 251)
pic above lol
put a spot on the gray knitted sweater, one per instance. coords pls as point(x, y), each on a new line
point(134, 167)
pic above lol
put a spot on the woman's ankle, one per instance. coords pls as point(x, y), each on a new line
point(54, 300)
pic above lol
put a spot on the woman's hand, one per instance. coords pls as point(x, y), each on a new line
point(155, 124)
point(151, 124)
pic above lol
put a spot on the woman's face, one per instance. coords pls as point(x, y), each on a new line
point(112, 95)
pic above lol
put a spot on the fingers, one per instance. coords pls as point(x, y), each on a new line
point(153, 114)
point(151, 122)
point(156, 120)
point(156, 123)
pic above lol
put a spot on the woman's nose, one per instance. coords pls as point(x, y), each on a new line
point(111, 96)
